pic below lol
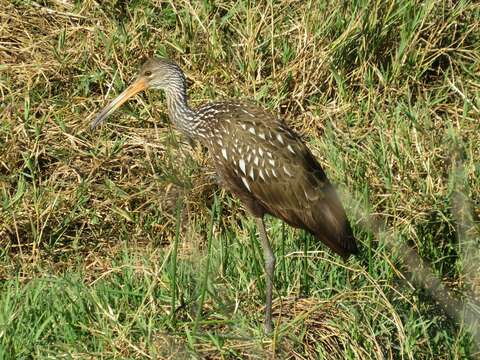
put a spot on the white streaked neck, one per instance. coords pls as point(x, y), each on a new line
point(181, 115)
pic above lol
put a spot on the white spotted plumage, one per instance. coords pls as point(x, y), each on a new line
point(280, 138)
point(286, 171)
point(260, 173)
point(245, 182)
point(241, 163)
point(251, 173)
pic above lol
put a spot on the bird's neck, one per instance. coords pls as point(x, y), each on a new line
point(182, 116)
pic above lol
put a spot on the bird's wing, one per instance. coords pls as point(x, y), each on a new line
point(269, 165)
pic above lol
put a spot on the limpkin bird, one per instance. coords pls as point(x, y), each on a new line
point(258, 158)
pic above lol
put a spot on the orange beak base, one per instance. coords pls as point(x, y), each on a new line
point(139, 85)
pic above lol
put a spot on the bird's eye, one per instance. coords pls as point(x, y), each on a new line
point(147, 73)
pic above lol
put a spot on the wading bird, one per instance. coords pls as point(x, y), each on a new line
point(257, 158)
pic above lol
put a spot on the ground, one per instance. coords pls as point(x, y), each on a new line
point(118, 244)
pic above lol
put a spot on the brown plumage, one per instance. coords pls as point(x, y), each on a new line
point(258, 158)
point(271, 170)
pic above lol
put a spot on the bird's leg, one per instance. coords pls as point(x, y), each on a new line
point(269, 258)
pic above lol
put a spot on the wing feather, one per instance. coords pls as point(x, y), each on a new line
point(272, 171)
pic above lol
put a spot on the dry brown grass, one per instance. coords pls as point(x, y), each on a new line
point(392, 113)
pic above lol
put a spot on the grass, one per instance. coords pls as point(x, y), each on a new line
point(118, 243)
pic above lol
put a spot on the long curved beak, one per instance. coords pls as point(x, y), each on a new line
point(139, 85)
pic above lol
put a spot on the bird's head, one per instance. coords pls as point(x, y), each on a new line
point(156, 73)
point(164, 74)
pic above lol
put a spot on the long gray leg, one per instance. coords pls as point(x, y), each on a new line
point(269, 270)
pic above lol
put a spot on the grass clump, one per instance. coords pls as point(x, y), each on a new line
point(97, 257)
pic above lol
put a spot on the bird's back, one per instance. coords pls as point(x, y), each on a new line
point(272, 171)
